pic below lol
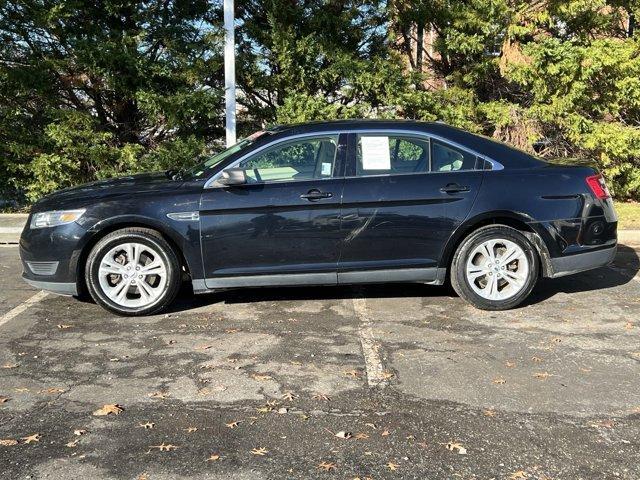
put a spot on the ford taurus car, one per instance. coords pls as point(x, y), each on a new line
point(328, 203)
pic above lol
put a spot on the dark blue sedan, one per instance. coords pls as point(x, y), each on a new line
point(325, 204)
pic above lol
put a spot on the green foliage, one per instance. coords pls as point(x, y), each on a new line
point(90, 90)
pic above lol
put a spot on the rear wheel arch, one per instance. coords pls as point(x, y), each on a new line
point(509, 219)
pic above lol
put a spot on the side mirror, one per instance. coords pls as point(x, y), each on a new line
point(233, 176)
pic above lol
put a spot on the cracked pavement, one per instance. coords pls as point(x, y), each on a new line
point(424, 385)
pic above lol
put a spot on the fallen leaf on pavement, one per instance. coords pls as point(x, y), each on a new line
point(79, 432)
point(352, 373)
point(261, 378)
point(387, 375)
point(344, 435)
point(73, 443)
point(520, 474)
point(233, 424)
point(63, 327)
point(321, 396)
point(164, 447)
point(191, 429)
point(158, 395)
point(372, 425)
point(385, 433)
point(536, 359)
point(499, 381)
point(361, 436)
point(10, 365)
point(542, 375)
point(4, 399)
point(509, 364)
point(628, 326)
point(108, 409)
point(8, 442)
point(203, 347)
point(489, 413)
point(213, 457)
point(259, 451)
point(392, 466)
point(32, 438)
point(456, 446)
point(52, 390)
point(327, 467)
point(289, 396)
point(147, 426)
point(604, 424)
point(21, 389)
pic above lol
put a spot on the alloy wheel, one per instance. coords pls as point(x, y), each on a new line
point(132, 275)
point(497, 269)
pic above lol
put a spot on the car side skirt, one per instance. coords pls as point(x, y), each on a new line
point(431, 276)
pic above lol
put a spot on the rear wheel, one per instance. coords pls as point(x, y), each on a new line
point(133, 272)
point(495, 268)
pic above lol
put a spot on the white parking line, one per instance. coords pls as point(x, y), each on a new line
point(14, 312)
point(370, 348)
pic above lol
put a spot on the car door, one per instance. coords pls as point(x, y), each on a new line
point(282, 226)
point(404, 196)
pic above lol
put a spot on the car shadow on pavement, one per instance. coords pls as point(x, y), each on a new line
point(186, 301)
point(626, 265)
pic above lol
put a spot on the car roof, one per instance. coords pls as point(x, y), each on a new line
point(495, 150)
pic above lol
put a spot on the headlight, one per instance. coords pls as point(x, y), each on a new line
point(55, 218)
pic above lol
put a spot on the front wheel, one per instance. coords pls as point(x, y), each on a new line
point(495, 268)
point(133, 272)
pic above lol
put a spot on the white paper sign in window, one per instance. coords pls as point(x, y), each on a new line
point(375, 153)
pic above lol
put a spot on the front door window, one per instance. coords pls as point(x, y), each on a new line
point(301, 159)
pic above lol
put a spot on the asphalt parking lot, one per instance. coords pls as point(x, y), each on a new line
point(396, 381)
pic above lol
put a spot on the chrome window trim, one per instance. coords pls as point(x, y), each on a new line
point(495, 165)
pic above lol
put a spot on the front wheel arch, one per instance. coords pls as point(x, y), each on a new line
point(103, 229)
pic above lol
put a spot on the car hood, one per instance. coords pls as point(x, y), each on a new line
point(82, 194)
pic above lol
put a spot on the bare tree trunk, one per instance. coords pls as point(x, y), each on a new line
point(420, 53)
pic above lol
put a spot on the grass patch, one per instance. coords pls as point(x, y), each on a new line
point(628, 215)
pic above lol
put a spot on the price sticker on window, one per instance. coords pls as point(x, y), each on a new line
point(375, 153)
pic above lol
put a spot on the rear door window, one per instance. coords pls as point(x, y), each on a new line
point(379, 154)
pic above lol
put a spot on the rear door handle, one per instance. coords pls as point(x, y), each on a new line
point(454, 188)
point(314, 195)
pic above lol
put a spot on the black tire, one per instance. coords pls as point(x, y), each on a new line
point(460, 282)
point(143, 236)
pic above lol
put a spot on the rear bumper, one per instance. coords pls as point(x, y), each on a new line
point(580, 262)
point(55, 287)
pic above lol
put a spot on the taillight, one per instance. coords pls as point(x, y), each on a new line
point(598, 187)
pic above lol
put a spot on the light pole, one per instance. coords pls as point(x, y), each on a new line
point(229, 73)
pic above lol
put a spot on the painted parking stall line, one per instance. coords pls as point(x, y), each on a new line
point(13, 313)
point(370, 347)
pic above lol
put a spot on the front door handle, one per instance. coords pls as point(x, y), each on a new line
point(314, 195)
point(454, 188)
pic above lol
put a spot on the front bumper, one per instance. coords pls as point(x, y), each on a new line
point(50, 257)
point(55, 287)
point(580, 262)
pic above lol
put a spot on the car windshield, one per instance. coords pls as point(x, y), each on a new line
point(203, 169)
